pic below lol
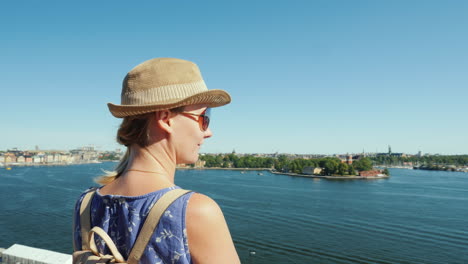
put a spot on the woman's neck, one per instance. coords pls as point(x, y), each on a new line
point(156, 159)
point(149, 169)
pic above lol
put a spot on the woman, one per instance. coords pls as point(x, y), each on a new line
point(165, 110)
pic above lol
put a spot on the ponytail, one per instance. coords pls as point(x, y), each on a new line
point(110, 176)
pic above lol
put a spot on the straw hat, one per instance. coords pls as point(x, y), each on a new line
point(165, 83)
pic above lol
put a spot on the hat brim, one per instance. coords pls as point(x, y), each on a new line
point(211, 98)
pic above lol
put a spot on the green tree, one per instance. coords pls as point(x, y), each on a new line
point(232, 157)
point(330, 166)
point(386, 172)
point(218, 160)
point(363, 164)
point(268, 163)
point(342, 168)
point(239, 163)
point(293, 167)
point(282, 163)
point(351, 170)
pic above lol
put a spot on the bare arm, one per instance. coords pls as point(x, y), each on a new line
point(207, 232)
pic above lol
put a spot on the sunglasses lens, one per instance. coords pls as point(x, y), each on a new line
point(206, 119)
point(206, 123)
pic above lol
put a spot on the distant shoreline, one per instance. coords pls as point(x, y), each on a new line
point(337, 177)
point(291, 174)
point(216, 168)
point(422, 168)
point(11, 165)
point(331, 177)
point(219, 168)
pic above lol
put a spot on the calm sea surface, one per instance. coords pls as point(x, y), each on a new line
point(413, 217)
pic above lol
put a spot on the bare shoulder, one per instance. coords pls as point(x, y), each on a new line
point(201, 206)
point(208, 235)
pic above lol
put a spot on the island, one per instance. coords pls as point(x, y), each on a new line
point(328, 167)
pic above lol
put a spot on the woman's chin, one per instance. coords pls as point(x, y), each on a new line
point(189, 160)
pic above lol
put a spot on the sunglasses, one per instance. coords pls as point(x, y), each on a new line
point(203, 119)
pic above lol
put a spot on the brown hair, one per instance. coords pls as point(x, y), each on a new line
point(132, 130)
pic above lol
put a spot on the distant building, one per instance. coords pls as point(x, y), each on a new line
point(21, 159)
point(65, 158)
point(87, 148)
point(56, 158)
point(9, 158)
point(311, 170)
point(28, 159)
point(15, 151)
point(349, 159)
point(36, 159)
point(49, 158)
point(391, 154)
point(200, 164)
point(371, 173)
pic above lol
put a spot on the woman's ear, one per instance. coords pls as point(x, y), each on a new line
point(164, 121)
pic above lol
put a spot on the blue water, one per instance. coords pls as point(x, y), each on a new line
point(412, 217)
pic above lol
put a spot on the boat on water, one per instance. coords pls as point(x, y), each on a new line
point(259, 173)
point(7, 167)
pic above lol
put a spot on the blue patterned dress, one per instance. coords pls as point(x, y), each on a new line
point(122, 217)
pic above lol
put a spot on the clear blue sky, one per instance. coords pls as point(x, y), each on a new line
point(305, 76)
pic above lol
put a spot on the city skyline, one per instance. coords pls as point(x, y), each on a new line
point(305, 77)
point(121, 149)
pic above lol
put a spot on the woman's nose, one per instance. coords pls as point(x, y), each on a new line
point(208, 133)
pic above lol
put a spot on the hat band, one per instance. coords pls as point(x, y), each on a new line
point(163, 94)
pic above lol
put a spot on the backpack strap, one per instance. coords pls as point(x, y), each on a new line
point(110, 244)
point(85, 218)
point(151, 222)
